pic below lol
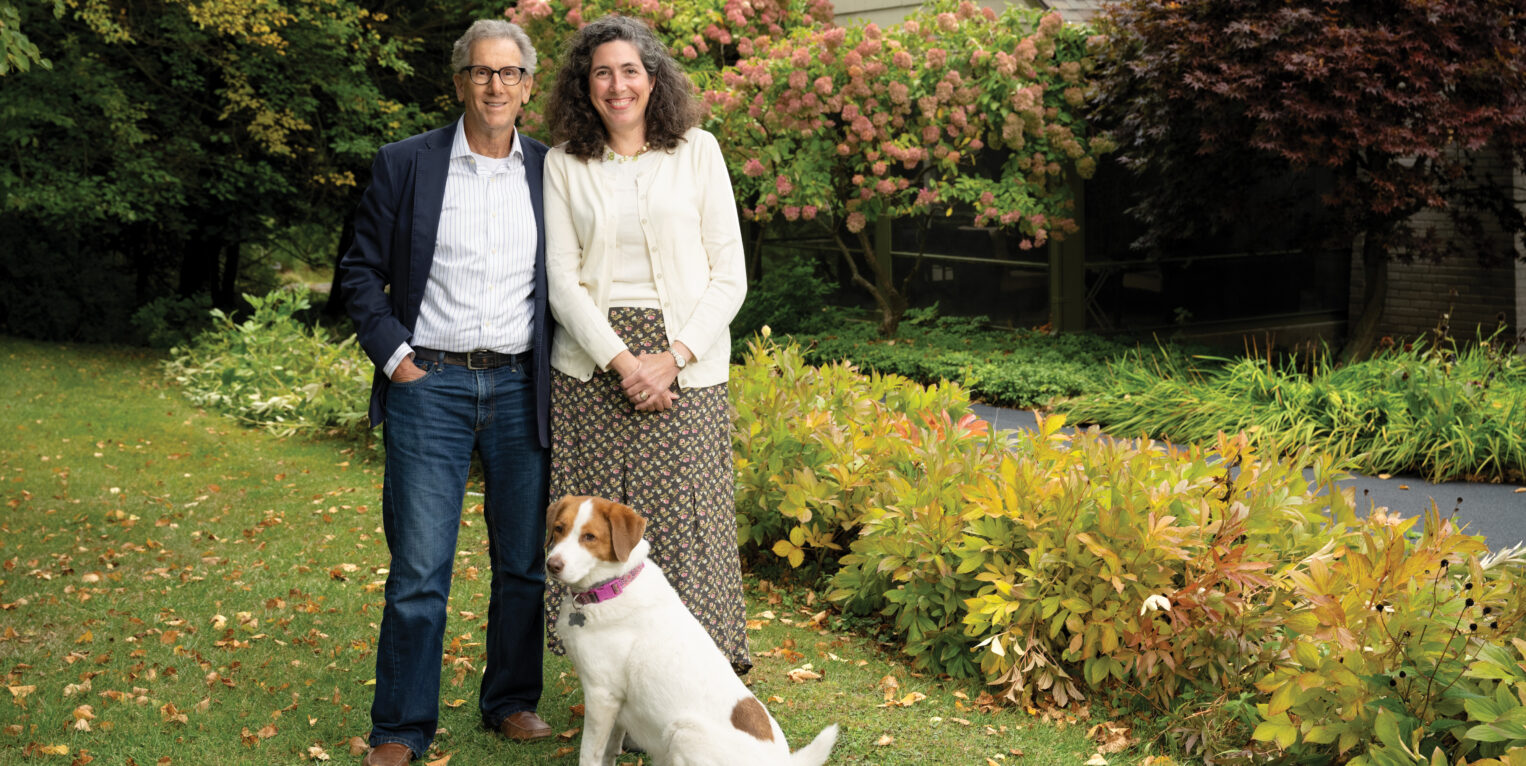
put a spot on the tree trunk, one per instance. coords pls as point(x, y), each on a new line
point(197, 265)
point(891, 302)
point(227, 288)
point(1363, 337)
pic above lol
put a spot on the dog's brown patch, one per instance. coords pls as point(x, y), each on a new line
point(750, 717)
point(595, 533)
point(559, 518)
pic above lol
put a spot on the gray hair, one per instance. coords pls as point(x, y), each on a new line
point(492, 29)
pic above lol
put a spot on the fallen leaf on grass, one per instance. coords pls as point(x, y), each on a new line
point(576, 710)
point(565, 751)
point(441, 761)
point(1096, 760)
point(358, 746)
point(569, 734)
point(317, 753)
point(906, 701)
point(455, 703)
point(1110, 737)
point(884, 740)
point(803, 674)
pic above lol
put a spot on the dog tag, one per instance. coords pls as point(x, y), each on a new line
point(576, 620)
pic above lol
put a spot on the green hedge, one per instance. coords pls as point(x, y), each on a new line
point(1442, 412)
point(1013, 368)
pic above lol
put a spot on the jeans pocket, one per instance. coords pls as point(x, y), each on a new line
point(427, 366)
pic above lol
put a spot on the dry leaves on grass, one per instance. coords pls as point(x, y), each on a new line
point(1111, 737)
point(803, 673)
point(893, 697)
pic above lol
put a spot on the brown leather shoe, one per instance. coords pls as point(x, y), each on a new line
point(389, 754)
point(524, 726)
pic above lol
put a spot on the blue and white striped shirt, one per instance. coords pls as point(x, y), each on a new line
point(479, 290)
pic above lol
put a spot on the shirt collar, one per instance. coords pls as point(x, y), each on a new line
point(459, 148)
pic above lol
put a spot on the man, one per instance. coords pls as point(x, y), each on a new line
point(446, 283)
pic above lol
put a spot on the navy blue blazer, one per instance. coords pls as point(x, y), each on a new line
point(395, 228)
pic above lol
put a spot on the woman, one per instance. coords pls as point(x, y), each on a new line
point(644, 263)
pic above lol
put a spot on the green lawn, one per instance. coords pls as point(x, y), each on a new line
point(177, 589)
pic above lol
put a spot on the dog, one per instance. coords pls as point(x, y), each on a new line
point(648, 668)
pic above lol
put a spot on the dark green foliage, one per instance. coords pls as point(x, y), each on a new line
point(1442, 411)
point(168, 321)
point(63, 295)
point(1017, 368)
point(156, 142)
point(789, 299)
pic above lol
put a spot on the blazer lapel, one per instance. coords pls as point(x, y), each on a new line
point(430, 171)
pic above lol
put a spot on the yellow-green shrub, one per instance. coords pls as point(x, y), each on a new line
point(1400, 646)
point(1106, 561)
point(814, 446)
point(1284, 627)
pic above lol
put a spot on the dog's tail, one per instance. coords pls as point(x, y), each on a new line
point(816, 753)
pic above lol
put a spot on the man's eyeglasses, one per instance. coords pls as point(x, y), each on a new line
point(509, 75)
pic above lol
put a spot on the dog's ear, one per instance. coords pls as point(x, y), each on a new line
point(625, 529)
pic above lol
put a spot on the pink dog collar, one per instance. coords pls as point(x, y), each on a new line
point(608, 589)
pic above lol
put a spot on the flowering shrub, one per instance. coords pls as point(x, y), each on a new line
point(954, 107)
point(704, 36)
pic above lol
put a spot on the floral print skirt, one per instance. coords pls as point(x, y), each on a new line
point(674, 467)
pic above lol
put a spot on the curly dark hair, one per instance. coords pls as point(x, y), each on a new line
point(671, 109)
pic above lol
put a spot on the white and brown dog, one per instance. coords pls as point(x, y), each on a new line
point(647, 666)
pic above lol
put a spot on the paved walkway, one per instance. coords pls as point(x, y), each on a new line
point(1496, 511)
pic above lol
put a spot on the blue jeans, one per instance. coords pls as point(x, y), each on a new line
point(433, 425)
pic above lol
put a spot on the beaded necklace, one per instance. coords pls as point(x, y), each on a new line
point(610, 155)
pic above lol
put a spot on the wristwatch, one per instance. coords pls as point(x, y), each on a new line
point(679, 358)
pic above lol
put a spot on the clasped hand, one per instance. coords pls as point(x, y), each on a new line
point(649, 385)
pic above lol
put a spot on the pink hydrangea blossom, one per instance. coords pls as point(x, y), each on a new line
point(783, 185)
point(808, 212)
point(753, 168)
point(856, 222)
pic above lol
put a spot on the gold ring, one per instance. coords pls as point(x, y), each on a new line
point(642, 397)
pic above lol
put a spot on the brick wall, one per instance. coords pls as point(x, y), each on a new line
point(1420, 293)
